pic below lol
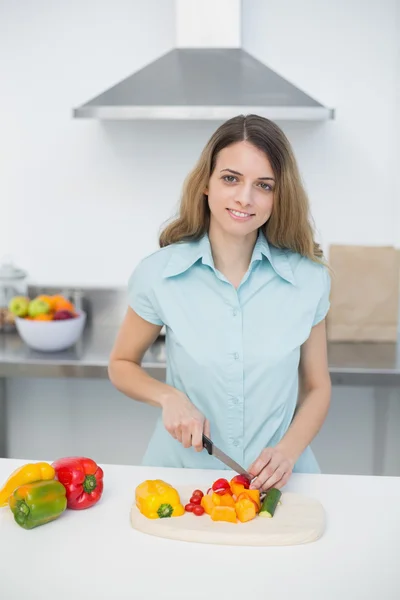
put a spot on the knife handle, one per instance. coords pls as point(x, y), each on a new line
point(207, 443)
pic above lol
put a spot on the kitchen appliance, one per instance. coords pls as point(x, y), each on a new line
point(13, 282)
point(208, 75)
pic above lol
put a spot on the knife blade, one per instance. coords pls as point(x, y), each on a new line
point(213, 450)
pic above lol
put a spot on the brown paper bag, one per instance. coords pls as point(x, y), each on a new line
point(364, 294)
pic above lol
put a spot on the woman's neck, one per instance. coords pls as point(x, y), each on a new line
point(231, 254)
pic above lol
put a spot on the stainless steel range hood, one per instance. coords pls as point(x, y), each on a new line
point(199, 79)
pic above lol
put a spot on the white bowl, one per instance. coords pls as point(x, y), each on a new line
point(51, 336)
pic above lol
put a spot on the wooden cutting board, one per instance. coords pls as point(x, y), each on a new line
point(297, 520)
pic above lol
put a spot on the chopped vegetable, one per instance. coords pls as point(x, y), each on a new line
point(253, 495)
point(245, 508)
point(223, 499)
point(270, 503)
point(224, 513)
point(207, 503)
point(221, 486)
point(241, 479)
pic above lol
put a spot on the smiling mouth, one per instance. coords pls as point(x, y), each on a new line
point(238, 214)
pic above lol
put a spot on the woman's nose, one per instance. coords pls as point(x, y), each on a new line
point(244, 196)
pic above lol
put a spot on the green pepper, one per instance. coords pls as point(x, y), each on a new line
point(37, 503)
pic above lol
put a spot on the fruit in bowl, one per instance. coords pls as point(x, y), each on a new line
point(19, 306)
point(48, 323)
point(42, 308)
point(63, 314)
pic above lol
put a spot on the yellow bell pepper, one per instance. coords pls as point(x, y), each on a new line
point(40, 471)
point(156, 499)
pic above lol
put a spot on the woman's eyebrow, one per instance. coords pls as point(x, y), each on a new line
point(241, 174)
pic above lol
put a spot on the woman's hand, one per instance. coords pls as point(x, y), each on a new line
point(271, 469)
point(184, 422)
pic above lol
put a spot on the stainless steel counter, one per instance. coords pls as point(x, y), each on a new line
point(349, 364)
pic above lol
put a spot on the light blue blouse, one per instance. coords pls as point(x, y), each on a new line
point(234, 353)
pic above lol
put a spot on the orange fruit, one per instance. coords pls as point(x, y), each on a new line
point(61, 303)
point(48, 299)
point(43, 318)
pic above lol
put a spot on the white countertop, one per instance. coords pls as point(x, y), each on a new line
point(95, 553)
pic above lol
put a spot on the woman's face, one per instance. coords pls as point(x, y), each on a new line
point(241, 189)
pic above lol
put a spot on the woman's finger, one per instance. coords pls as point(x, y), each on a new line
point(274, 479)
point(263, 460)
point(197, 435)
point(266, 473)
point(280, 484)
point(186, 436)
point(178, 432)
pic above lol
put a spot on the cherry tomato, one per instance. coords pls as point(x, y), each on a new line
point(197, 493)
point(189, 507)
point(198, 510)
point(221, 486)
point(195, 500)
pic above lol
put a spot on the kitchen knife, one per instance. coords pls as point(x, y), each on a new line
point(227, 460)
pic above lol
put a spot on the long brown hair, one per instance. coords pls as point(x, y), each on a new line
point(289, 225)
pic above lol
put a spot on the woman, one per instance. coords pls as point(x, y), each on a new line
point(243, 291)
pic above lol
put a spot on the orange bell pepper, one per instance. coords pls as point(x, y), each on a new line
point(253, 495)
point(224, 513)
point(237, 488)
point(245, 509)
point(207, 503)
point(223, 500)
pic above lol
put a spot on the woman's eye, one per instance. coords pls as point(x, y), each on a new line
point(266, 186)
point(229, 178)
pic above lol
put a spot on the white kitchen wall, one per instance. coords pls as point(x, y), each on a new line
point(82, 201)
point(345, 54)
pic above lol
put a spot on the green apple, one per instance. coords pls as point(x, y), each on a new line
point(38, 307)
point(19, 306)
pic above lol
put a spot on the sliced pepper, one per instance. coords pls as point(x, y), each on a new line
point(245, 509)
point(224, 513)
point(156, 499)
point(37, 503)
point(223, 499)
point(40, 471)
point(237, 488)
point(253, 495)
point(207, 503)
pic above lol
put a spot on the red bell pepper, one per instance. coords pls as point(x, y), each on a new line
point(82, 479)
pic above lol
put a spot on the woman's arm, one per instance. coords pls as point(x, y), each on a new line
point(314, 394)
point(180, 417)
point(134, 338)
point(274, 465)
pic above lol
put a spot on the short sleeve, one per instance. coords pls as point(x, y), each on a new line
point(323, 305)
point(141, 294)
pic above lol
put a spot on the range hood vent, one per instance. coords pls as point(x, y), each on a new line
point(204, 82)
